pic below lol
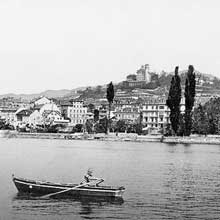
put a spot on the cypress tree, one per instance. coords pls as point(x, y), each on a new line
point(110, 98)
point(190, 91)
point(96, 115)
point(173, 101)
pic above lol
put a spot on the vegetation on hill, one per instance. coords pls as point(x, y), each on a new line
point(206, 118)
point(97, 92)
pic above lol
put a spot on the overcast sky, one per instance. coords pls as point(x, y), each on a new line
point(64, 44)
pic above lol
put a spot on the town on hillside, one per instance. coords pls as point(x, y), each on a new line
point(139, 106)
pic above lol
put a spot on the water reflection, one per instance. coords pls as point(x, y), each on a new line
point(24, 204)
point(162, 181)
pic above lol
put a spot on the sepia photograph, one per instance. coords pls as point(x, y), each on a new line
point(109, 109)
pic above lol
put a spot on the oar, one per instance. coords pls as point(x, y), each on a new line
point(63, 191)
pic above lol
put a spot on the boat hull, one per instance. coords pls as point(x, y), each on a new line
point(42, 188)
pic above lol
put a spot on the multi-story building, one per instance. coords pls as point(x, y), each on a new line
point(134, 84)
point(155, 114)
point(8, 114)
point(127, 112)
point(64, 105)
point(131, 77)
point(143, 73)
point(77, 113)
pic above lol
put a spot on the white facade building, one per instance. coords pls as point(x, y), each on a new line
point(49, 107)
point(155, 114)
point(77, 113)
point(36, 118)
point(42, 101)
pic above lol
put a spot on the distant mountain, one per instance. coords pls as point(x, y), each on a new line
point(160, 84)
point(47, 93)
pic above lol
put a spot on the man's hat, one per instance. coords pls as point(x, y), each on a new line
point(89, 171)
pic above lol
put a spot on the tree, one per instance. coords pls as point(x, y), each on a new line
point(121, 126)
point(110, 98)
point(181, 127)
point(190, 91)
point(173, 101)
point(138, 128)
point(212, 110)
point(78, 127)
point(200, 123)
point(96, 115)
point(89, 126)
point(91, 107)
point(103, 124)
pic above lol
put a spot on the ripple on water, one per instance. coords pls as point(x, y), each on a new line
point(162, 181)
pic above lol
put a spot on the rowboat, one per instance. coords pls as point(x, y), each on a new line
point(40, 188)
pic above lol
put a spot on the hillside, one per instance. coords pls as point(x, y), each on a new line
point(206, 83)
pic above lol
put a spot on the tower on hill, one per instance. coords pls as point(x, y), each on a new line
point(143, 73)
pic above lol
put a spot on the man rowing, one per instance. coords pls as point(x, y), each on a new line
point(90, 178)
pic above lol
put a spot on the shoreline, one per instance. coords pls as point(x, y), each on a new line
point(194, 139)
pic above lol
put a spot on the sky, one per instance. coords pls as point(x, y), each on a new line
point(64, 44)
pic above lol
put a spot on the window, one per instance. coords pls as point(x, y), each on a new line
point(161, 107)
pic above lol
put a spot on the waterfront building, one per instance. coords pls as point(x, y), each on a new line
point(64, 105)
point(8, 114)
point(49, 107)
point(36, 118)
point(77, 113)
point(129, 114)
point(54, 117)
point(22, 116)
point(155, 114)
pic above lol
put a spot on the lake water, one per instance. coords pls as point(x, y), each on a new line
point(162, 181)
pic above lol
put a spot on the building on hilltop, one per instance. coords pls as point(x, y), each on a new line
point(139, 79)
point(143, 73)
point(131, 77)
point(133, 84)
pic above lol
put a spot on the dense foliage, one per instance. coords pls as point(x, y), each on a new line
point(206, 118)
point(190, 87)
point(173, 101)
point(96, 115)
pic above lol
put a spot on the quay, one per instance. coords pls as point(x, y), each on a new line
point(193, 139)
